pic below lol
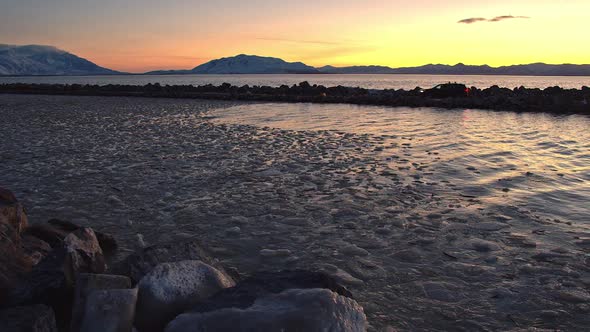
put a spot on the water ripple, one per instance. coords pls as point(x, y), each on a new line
point(536, 160)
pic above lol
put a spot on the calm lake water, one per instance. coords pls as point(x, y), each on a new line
point(537, 161)
point(382, 81)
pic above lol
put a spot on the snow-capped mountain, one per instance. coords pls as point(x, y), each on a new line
point(252, 64)
point(45, 60)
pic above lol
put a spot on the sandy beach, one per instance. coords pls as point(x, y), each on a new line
point(159, 170)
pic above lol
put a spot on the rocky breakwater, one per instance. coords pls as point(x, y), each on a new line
point(54, 277)
point(451, 95)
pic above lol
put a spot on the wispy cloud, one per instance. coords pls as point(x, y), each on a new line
point(472, 20)
point(506, 17)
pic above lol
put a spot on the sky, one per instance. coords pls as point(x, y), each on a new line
point(142, 35)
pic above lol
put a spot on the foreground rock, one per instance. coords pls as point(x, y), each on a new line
point(291, 310)
point(13, 261)
point(261, 284)
point(171, 288)
point(107, 242)
point(142, 262)
point(110, 310)
point(84, 254)
point(56, 230)
point(37, 318)
point(88, 283)
point(51, 282)
point(11, 211)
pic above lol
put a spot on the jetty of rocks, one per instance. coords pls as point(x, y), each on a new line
point(449, 96)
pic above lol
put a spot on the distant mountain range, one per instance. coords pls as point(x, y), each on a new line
point(246, 64)
point(534, 69)
point(45, 60)
point(48, 60)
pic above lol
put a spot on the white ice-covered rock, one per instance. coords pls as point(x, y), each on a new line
point(171, 288)
point(291, 310)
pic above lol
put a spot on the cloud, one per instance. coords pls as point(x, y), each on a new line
point(472, 20)
point(505, 17)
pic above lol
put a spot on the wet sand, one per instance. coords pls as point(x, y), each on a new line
point(151, 170)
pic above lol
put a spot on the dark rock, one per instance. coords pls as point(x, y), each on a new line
point(46, 284)
point(13, 262)
point(291, 310)
point(451, 95)
point(171, 288)
point(51, 281)
point(139, 264)
point(7, 196)
point(107, 242)
point(34, 248)
point(87, 283)
point(38, 318)
point(110, 310)
point(448, 90)
point(47, 233)
point(11, 211)
point(83, 254)
point(55, 231)
point(261, 284)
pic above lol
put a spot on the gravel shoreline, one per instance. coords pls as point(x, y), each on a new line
point(155, 170)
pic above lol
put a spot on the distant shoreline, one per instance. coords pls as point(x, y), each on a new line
point(319, 74)
point(449, 96)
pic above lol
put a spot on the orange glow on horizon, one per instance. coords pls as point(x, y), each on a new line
point(182, 34)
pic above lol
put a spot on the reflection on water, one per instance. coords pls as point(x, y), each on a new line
point(540, 161)
point(368, 81)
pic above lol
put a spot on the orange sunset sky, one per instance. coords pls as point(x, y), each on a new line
point(137, 36)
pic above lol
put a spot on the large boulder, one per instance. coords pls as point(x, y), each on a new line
point(172, 288)
point(37, 318)
point(109, 310)
point(293, 310)
point(142, 262)
point(86, 283)
point(262, 284)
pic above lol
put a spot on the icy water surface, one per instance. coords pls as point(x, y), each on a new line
point(408, 213)
point(540, 161)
